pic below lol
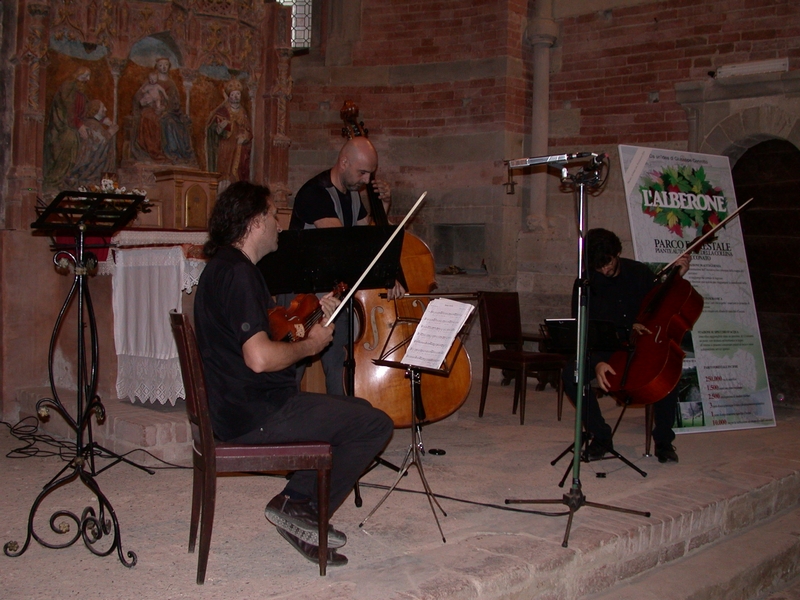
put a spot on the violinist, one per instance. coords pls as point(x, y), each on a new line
point(252, 387)
point(617, 288)
point(332, 199)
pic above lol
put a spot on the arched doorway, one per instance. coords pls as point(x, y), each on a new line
point(769, 172)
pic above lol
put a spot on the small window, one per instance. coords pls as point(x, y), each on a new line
point(301, 22)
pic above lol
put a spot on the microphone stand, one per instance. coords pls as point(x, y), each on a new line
point(588, 176)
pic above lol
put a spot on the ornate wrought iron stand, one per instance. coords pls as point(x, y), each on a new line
point(79, 213)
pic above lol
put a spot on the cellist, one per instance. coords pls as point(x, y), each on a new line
point(332, 199)
point(617, 288)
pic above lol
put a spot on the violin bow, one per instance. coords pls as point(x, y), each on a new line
point(699, 241)
point(397, 230)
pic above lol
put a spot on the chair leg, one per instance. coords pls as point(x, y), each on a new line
point(323, 495)
point(560, 395)
point(197, 501)
point(206, 522)
point(522, 392)
point(484, 389)
point(518, 383)
point(649, 418)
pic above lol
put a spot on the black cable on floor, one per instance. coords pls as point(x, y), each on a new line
point(484, 504)
point(26, 430)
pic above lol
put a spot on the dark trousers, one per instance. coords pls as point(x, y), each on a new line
point(356, 431)
point(663, 411)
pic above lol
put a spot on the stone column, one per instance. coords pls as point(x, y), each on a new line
point(541, 33)
point(30, 77)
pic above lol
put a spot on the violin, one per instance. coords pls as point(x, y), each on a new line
point(290, 324)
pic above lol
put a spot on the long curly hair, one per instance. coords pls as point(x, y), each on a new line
point(234, 210)
point(603, 245)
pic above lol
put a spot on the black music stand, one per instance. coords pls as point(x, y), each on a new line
point(79, 214)
point(603, 336)
point(414, 375)
point(315, 260)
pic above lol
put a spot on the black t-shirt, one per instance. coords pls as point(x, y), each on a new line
point(230, 306)
point(617, 299)
point(313, 202)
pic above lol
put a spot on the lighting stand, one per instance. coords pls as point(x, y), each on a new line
point(588, 176)
point(79, 213)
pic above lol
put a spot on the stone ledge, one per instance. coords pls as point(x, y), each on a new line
point(143, 429)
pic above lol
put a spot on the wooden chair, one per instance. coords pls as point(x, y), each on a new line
point(211, 456)
point(501, 325)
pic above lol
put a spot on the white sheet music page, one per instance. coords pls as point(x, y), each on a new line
point(437, 330)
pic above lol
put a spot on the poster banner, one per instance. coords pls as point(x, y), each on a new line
point(674, 197)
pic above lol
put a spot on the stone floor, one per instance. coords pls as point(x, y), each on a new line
point(726, 484)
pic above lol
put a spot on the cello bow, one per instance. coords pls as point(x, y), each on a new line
point(707, 237)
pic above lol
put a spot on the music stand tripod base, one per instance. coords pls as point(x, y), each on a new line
point(413, 455)
point(584, 457)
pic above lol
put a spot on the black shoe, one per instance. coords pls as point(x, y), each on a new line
point(299, 518)
point(597, 448)
point(311, 552)
point(666, 453)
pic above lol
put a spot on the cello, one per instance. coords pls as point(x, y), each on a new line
point(652, 366)
point(387, 323)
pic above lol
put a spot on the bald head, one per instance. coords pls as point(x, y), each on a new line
point(357, 161)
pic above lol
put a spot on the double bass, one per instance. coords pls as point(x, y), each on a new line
point(387, 323)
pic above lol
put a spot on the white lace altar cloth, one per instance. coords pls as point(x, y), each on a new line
point(138, 238)
point(147, 284)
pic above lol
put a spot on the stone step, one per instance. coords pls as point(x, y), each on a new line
point(152, 433)
point(753, 563)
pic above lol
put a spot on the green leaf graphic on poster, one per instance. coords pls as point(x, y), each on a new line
point(681, 198)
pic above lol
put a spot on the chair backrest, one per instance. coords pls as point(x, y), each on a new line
point(194, 382)
point(501, 322)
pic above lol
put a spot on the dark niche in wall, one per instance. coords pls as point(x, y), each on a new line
point(460, 248)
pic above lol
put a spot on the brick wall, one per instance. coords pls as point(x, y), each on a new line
point(613, 63)
point(445, 91)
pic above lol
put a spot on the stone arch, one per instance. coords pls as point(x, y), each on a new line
point(737, 133)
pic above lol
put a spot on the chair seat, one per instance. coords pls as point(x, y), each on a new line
point(284, 457)
point(501, 325)
point(541, 360)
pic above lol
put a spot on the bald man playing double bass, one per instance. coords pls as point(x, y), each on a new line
point(333, 199)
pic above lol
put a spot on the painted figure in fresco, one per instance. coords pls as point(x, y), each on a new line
point(162, 131)
point(152, 94)
point(175, 125)
point(65, 129)
point(97, 151)
point(228, 138)
point(151, 104)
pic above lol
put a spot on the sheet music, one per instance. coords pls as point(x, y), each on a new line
point(437, 330)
